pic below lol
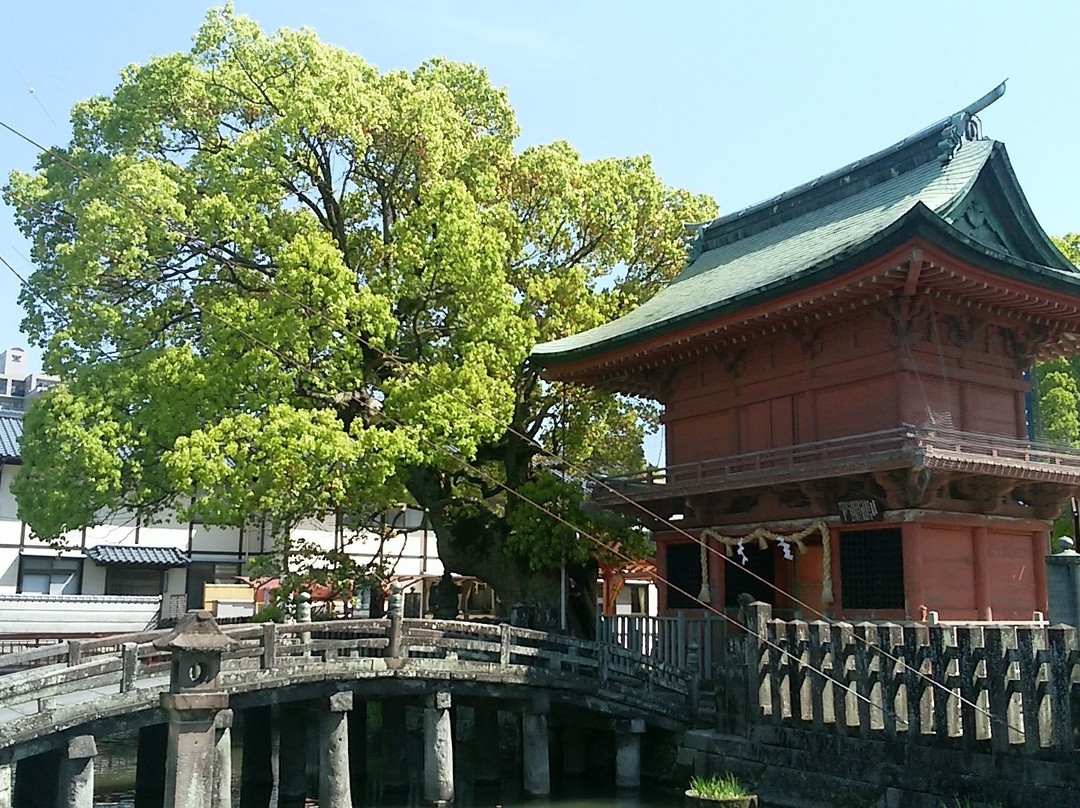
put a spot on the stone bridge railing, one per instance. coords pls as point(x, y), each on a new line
point(988, 687)
point(55, 688)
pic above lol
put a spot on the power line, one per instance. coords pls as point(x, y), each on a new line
point(315, 313)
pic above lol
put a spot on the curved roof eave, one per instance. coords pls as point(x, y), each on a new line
point(918, 221)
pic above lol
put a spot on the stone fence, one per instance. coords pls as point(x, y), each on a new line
point(985, 687)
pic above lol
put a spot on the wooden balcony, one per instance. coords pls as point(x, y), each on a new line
point(907, 447)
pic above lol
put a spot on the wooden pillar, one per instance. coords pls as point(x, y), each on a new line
point(717, 568)
point(1039, 549)
point(914, 586)
point(981, 572)
point(832, 570)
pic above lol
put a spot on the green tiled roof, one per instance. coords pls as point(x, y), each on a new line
point(780, 244)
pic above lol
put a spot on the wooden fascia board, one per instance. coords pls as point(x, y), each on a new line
point(703, 333)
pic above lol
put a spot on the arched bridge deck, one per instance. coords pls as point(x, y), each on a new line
point(47, 692)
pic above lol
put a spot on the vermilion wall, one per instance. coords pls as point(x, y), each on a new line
point(851, 377)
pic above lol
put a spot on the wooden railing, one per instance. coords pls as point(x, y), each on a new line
point(969, 686)
point(868, 450)
point(62, 674)
point(694, 644)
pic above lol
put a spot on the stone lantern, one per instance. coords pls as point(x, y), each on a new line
point(195, 705)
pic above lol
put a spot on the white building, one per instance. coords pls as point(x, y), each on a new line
point(17, 387)
point(122, 574)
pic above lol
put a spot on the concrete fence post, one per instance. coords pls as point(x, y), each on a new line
point(222, 786)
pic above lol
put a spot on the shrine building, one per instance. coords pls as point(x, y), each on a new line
point(844, 370)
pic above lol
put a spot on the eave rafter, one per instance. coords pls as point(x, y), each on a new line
point(913, 271)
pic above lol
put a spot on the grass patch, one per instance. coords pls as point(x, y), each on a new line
point(717, 787)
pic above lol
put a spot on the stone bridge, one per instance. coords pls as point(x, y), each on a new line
point(56, 699)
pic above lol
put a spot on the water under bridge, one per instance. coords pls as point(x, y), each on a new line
point(55, 700)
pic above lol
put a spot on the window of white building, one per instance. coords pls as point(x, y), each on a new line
point(50, 575)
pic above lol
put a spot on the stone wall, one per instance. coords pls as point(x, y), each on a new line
point(832, 715)
point(792, 768)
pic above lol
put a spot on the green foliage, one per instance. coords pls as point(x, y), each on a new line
point(546, 542)
point(276, 280)
point(1069, 245)
point(303, 565)
point(717, 787)
point(1058, 403)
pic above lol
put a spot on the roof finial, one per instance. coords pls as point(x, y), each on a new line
point(964, 125)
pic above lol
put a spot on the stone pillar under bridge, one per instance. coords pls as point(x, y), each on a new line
point(7, 782)
point(256, 765)
point(36, 780)
point(291, 728)
point(628, 752)
point(335, 788)
point(438, 751)
point(222, 795)
point(150, 765)
point(77, 773)
point(534, 748)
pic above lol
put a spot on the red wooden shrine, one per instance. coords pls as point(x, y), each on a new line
point(844, 370)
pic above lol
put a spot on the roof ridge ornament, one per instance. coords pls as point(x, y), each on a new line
point(965, 125)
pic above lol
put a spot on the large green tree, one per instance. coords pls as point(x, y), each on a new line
point(276, 280)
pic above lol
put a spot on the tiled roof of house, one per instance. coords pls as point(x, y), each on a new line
point(785, 242)
point(10, 435)
point(137, 556)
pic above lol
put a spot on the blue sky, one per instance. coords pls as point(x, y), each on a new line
point(739, 100)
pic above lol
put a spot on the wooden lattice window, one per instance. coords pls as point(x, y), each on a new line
point(872, 569)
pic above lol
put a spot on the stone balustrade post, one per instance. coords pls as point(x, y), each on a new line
point(396, 614)
point(438, 751)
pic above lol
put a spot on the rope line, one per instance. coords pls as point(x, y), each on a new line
point(230, 261)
